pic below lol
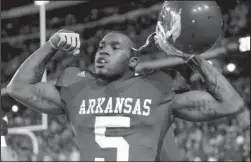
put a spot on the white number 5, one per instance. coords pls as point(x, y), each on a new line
point(103, 122)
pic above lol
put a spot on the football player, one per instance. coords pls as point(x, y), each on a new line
point(117, 116)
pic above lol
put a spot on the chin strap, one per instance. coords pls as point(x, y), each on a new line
point(148, 41)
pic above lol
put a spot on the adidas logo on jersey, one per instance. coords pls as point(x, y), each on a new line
point(81, 74)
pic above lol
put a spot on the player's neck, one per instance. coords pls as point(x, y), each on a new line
point(126, 76)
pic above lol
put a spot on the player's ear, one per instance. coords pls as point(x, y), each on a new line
point(133, 62)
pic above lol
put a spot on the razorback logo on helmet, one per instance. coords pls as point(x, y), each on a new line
point(175, 21)
point(176, 25)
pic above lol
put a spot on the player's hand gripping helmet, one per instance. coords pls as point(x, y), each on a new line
point(189, 27)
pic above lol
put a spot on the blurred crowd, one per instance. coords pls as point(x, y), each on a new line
point(227, 139)
point(219, 140)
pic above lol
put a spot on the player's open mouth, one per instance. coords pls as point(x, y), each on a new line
point(101, 61)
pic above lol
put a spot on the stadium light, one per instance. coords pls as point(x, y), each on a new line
point(212, 159)
point(231, 67)
point(240, 140)
point(39, 3)
point(197, 159)
point(15, 108)
point(244, 44)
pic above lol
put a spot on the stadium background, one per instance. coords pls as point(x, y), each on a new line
point(227, 139)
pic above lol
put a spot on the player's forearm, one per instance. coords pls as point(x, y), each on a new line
point(216, 84)
point(31, 71)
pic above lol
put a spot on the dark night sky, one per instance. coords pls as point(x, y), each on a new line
point(8, 4)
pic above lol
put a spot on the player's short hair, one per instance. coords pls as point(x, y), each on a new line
point(125, 34)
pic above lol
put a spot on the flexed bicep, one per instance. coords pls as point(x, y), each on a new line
point(42, 97)
point(198, 106)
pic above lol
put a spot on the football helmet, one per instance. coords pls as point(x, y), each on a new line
point(190, 27)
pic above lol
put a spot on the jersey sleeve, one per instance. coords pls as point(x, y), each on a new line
point(172, 81)
point(68, 76)
point(169, 150)
point(68, 83)
point(169, 82)
point(179, 82)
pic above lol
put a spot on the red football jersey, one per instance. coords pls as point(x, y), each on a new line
point(122, 120)
point(169, 150)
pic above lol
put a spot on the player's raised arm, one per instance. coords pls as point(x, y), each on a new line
point(220, 99)
point(25, 85)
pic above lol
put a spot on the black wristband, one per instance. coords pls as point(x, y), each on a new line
point(193, 62)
